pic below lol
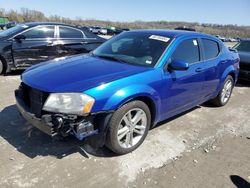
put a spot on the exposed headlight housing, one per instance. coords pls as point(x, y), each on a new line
point(69, 103)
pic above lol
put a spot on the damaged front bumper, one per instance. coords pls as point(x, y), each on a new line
point(65, 125)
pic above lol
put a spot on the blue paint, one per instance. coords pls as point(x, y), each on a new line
point(112, 83)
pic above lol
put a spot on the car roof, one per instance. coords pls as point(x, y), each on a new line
point(31, 24)
point(173, 33)
point(247, 40)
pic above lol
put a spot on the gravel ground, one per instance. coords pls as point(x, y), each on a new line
point(204, 147)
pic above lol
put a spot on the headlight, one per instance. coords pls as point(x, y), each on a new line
point(69, 103)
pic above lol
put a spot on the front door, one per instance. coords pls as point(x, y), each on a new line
point(184, 88)
point(37, 46)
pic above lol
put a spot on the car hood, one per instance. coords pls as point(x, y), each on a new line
point(77, 74)
point(244, 57)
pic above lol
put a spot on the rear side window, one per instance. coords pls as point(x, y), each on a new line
point(66, 32)
point(211, 49)
point(40, 32)
point(187, 51)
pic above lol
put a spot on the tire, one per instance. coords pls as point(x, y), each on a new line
point(225, 93)
point(2, 67)
point(122, 143)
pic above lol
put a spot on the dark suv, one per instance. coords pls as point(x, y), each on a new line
point(31, 43)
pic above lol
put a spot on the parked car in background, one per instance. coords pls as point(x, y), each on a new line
point(223, 39)
point(184, 28)
point(30, 43)
point(103, 31)
point(243, 48)
point(111, 31)
point(232, 39)
point(127, 85)
point(3, 22)
point(96, 30)
point(116, 31)
point(10, 25)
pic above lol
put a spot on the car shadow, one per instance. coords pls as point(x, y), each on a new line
point(32, 142)
point(242, 83)
point(175, 117)
point(239, 182)
point(14, 73)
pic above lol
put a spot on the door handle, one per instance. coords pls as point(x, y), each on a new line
point(223, 62)
point(199, 69)
point(85, 42)
point(50, 43)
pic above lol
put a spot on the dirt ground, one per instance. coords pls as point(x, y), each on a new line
point(204, 147)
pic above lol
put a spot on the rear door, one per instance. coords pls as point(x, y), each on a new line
point(211, 51)
point(184, 88)
point(72, 41)
point(36, 47)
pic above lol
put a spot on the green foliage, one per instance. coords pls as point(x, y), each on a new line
point(26, 15)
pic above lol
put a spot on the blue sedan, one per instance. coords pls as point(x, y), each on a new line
point(115, 94)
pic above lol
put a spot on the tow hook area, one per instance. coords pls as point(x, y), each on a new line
point(65, 125)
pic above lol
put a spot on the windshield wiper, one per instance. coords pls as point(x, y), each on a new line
point(111, 58)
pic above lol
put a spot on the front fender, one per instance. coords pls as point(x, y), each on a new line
point(130, 92)
point(115, 97)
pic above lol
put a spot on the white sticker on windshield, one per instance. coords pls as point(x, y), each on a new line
point(148, 62)
point(195, 42)
point(160, 38)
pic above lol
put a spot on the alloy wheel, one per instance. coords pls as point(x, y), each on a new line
point(132, 128)
point(226, 91)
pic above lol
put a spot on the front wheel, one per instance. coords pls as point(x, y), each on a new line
point(225, 93)
point(128, 127)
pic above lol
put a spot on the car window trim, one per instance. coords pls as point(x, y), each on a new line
point(58, 34)
point(203, 50)
point(164, 52)
point(199, 49)
point(34, 28)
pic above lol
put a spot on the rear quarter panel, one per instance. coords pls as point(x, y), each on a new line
point(230, 65)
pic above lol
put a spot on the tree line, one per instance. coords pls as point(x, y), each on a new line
point(27, 15)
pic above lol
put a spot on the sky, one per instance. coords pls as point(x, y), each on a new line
point(202, 11)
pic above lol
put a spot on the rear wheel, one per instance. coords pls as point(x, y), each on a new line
point(128, 127)
point(2, 67)
point(225, 93)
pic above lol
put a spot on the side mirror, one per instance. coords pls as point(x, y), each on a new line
point(19, 37)
point(178, 65)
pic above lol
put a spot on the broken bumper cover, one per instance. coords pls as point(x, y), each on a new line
point(49, 123)
point(32, 119)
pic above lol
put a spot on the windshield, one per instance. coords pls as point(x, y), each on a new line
point(243, 46)
point(18, 28)
point(138, 48)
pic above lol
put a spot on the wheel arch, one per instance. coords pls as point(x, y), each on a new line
point(229, 71)
point(232, 73)
point(148, 101)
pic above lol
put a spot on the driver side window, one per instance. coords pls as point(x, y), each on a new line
point(187, 51)
point(40, 32)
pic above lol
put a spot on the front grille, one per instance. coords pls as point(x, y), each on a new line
point(33, 98)
point(245, 66)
